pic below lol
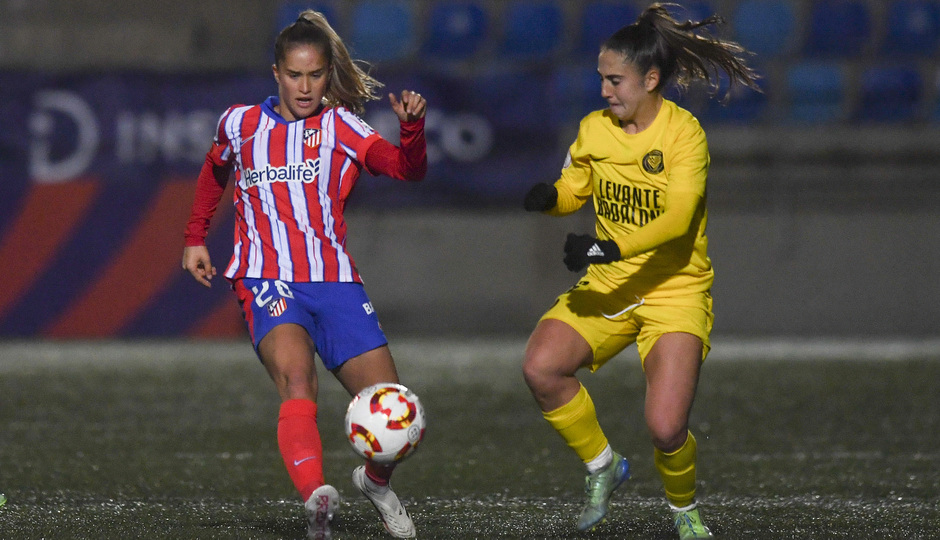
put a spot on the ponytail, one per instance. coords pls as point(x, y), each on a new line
point(350, 85)
point(683, 52)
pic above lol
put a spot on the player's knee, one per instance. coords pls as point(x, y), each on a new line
point(667, 434)
point(539, 366)
point(294, 381)
point(532, 370)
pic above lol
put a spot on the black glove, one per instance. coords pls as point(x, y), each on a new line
point(583, 249)
point(541, 197)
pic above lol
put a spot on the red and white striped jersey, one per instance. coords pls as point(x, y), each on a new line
point(292, 181)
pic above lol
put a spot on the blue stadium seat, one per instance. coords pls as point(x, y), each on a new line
point(287, 13)
point(382, 31)
point(838, 28)
point(599, 20)
point(533, 29)
point(890, 94)
point(765, 27)
point(455, 30)
point(817, 92)
point(913, 27)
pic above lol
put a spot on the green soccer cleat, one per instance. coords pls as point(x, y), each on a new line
point(599, 487)
point(690, 526)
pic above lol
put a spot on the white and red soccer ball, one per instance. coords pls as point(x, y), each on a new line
point(385, 422)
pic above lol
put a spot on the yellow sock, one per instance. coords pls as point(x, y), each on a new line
point(576, 422)
point(677, 470)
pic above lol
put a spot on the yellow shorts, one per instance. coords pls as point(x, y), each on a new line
point(610, 323)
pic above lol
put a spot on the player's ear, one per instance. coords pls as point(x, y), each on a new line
point(274, 71)
point(651, 80)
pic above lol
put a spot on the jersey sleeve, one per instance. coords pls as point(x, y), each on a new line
point(353, 134)
point(688, 162)
point(408, 162)
point(210, 185)
point(221, 150)
point(671, 224)
point(574, 187)
point(685, 191)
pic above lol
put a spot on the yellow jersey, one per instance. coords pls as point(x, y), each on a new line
point(634, 180)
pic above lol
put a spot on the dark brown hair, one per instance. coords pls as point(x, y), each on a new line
point(350, 85)
point(683, 52)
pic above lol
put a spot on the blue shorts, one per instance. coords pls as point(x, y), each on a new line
point(338, 316)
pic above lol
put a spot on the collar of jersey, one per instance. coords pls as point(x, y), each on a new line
point(273, 101)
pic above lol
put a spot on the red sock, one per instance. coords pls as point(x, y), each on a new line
point(299, 441)
point(380, 474)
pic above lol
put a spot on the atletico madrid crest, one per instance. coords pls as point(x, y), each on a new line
point(312, 137)
point(277, 307)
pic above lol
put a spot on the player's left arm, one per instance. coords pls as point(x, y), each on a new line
point(673, 223)
point(410, 161)
point(584, 249)
point(685, 191)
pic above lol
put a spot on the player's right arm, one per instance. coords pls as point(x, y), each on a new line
point(569, 193)
point(197, 262)
point(210, 186)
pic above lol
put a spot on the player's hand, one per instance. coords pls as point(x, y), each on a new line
point(196, 260)
point(583, 249)
point(411, 107)
point(541, 197)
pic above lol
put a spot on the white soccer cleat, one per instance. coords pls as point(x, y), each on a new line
point(321, 507)
point(393, 514)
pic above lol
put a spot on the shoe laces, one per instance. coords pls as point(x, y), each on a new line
point(689, 520)
point(596, 485)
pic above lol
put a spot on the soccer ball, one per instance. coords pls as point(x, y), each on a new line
point(385, 422)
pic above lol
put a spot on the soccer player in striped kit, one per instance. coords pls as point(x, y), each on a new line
point(296, 158)
point(644, 162)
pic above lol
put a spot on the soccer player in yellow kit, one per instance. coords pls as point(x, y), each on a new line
point(644, 161)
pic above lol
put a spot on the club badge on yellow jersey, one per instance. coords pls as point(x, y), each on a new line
point(653, 162)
